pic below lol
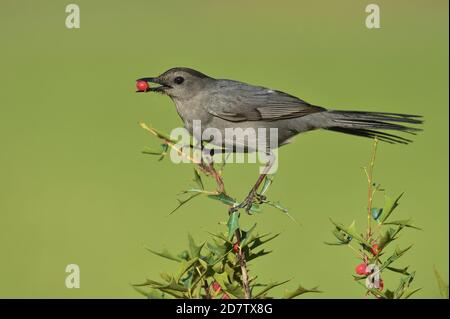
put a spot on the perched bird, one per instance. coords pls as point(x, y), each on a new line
point(222, 104)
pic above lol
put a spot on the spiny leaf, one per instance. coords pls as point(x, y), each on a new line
point(409, 292)
point(165, 254)
point(233, 224)
point(260, 240)
point(184, 267)
point(246, 236)
point(443, 286)
point(299, 291)
point(404, 284)
point(193, 248)
point(389, 206)
point(258, 254)
point(405, 223)
point(396, 255)
point(387, 237)
point(269, 287)
point(198, 179)
point(376, 212)
point(403, 271)
point(183, 202)
point(268, 180)
point(351, 230)
point(227, 200)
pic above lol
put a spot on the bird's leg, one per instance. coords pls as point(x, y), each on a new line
point(249, 200)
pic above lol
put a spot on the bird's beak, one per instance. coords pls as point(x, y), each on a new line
point(157, 80)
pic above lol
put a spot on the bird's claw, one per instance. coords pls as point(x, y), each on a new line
point(247, 203)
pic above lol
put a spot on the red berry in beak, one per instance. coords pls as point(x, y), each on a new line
point(236, 248)
point(142, 86)
point(361, 269)
point(375, 249)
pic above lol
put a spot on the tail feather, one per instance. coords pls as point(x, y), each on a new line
point(367, 124)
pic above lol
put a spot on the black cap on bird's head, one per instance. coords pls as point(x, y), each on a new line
point(178, 83)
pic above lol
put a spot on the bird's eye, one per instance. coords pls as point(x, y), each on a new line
point(179, 80)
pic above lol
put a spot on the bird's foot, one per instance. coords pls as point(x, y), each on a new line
point(252, 198)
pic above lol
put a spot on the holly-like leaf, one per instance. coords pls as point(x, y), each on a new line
point(404, 223)
point(405, 282)
point(184, 267)
point(396, 255)
point(389, 206)
point(376, 212)
point(233, 224)
point(193, 248)
point(268, 287)
point(182, 202)
point(165, 254)
point(299, 291)
point(227, 200)
point(246, 236)
point(403, 271)
point(352, 232)
point(198, 179)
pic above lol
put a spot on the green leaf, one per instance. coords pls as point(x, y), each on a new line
point(396, 255)
point(268, 287)
point(409, 292)
point(260, 253)
point(268, 180)
point(404, 285)
point(351, 230)
point(227, 200)
point(184, 267)
point(193, 248)
point(387, 237)
point(260, 240)
point(389, 206)
point(183, 202)
point(165, 254)
point(233, 224)
point(376, 213)
point(443, 286)
point(198, 179)
point(299, 291)
point(403, 271)
point(404, 223)
point(246, 236)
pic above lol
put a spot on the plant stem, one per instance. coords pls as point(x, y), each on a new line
point(370, 188)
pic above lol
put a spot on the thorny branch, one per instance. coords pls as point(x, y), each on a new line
point(209, 169)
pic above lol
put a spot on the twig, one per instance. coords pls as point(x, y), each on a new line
point(370, 187)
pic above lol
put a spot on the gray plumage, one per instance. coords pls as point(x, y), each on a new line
point(224, 104)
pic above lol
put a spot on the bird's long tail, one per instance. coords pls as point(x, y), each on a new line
point(369, 124)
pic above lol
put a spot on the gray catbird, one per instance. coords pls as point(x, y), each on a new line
point(222, 104)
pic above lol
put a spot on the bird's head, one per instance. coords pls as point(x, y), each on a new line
point(178, 83)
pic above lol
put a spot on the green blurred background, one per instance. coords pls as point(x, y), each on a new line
point(74, 187)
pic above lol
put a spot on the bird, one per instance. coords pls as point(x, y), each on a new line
point(221, 104)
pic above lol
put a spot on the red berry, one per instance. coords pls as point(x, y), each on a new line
point(375, 249)
point(225, 296)
point(361, 269)
point(236, 248)
point(142, 86)
point(216, 286)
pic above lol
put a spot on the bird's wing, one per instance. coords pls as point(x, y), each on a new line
point(238, 102)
